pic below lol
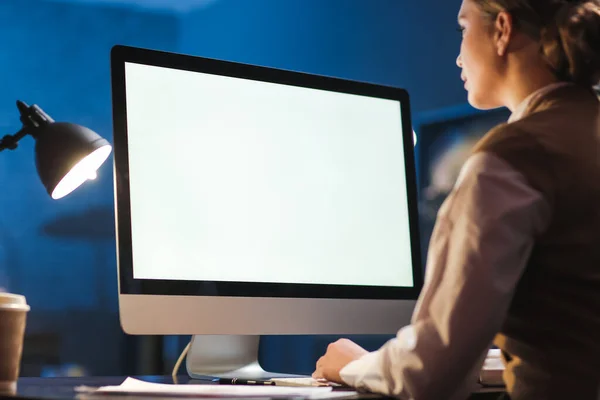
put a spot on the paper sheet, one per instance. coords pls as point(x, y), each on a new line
point(136, 386)
point(492, 369)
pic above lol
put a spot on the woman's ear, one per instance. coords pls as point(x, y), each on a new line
point(503, 30)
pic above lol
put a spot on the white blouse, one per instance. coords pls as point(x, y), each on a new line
point(483, 236)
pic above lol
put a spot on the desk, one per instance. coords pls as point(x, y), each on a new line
point(63, 388)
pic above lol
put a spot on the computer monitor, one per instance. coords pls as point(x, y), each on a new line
point(253, 200)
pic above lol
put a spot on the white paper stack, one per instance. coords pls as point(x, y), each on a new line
point(132, 386)
point(493, 367)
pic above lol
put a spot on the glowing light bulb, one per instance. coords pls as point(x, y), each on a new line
point(81, 172)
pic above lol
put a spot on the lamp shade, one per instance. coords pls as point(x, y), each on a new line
point(67, 155)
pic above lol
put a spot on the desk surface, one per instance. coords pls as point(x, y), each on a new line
point(63, 388)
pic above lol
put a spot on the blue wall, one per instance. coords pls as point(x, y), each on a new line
point(410, 44)
point(61, 254)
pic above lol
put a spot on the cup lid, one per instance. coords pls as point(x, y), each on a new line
point(12, 300)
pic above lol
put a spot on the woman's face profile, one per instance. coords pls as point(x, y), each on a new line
point(478, 58)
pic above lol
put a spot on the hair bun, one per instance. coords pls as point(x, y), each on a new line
point(571, 44)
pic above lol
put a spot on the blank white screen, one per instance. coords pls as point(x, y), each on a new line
point(247, 181)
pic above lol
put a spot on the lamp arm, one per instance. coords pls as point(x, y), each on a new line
point(10, 141)
point(32, 117)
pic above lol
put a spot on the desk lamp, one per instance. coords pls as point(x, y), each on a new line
point(66, 155)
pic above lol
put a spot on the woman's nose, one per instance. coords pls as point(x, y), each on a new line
point(459, 61)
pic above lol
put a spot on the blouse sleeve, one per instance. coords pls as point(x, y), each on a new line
point(480, 245)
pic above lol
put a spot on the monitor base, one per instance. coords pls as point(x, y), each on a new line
point(227, 356)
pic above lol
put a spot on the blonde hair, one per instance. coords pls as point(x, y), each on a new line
point(569, 33)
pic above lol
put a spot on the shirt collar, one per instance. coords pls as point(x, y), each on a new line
point(521, 109)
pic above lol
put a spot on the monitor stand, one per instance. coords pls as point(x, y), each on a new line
point(226, 356)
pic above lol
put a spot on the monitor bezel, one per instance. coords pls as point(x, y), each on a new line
point(120, 55)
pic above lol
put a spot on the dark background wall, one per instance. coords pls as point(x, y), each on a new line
point(61, 254)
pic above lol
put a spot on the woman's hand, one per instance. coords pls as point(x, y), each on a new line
point(338, 355)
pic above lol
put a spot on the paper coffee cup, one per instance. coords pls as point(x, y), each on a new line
point(13, 316)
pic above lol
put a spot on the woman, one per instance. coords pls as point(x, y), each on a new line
point(514, 258)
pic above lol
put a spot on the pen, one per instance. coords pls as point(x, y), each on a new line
point(237, 381)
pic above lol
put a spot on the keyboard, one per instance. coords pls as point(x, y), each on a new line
point(490, 375)
point(302, 382)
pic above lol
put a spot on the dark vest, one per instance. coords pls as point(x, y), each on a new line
point(551, 336)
